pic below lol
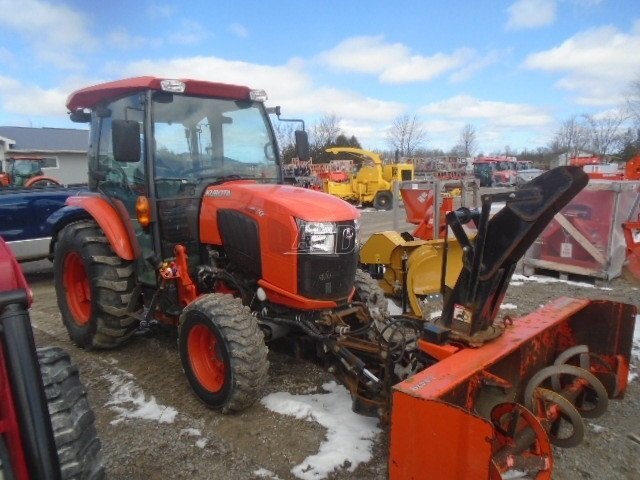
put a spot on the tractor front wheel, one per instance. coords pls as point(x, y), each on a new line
point(93, 287)
point(369, 292)
point(223, 352)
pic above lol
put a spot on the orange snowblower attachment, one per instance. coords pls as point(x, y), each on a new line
point(494, 396)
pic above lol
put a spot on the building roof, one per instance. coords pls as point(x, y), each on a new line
point(47, 139)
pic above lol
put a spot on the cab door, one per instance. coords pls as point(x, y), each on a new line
point(122, 179)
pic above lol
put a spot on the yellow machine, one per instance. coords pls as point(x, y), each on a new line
point(397, 259)
point(373, 183)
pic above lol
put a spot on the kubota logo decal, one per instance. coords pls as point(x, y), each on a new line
point(217, 193)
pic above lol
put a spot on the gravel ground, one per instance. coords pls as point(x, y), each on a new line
point(193, 442)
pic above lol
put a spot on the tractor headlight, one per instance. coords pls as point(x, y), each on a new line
point(316, 237)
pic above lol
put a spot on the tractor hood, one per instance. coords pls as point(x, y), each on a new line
point(277, 200)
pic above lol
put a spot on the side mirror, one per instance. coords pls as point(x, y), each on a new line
point(80, 116)
point(125, 135)
point(302, 145)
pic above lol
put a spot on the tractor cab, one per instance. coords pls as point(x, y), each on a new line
point(156, 148)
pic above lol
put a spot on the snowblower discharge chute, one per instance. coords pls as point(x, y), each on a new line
point(495, 395)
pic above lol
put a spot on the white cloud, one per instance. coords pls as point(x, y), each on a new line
point(392, 62)
point(597, 64)
point(478, 63)
point(286, 85)
point(525, 14)
point(31, 100)
point(498, 113)
point(239, 30)
point(56, 32)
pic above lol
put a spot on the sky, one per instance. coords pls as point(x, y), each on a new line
point(514, 70)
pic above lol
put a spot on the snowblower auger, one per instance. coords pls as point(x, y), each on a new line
point(497, 395)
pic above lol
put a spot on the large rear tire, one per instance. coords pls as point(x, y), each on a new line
point(78, 446)
point(223, 352)
point(93, 286)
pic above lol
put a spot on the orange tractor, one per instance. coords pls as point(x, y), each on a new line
point(187, 223)
point(25, 171)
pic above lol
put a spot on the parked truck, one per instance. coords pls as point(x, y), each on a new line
point(28, 218)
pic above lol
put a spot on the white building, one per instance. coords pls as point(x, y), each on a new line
point(63, 150)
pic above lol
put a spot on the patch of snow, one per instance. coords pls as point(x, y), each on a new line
point(394, 309)
point(517, 284)
point(597, 428)
point(129, 401)
point(264, 473)
point(350, 437)
point(635, 350)
point(192, 432)
point(513, 474)
point(635, 346)
point(515, 279)
point(201, 442)
point(508, 306)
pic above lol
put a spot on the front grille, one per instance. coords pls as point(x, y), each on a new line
point(327, 277)
point(331, 276)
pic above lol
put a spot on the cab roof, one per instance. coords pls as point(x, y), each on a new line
point(92, 96)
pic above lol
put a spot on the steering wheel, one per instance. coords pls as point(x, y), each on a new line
point(116, 175)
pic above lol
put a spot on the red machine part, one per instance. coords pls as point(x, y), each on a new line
point(9, 428)
point(632, 237)
point(462, 406)
point(11, 278)
point(419, 205)
point(632, 169)
point(590, 216)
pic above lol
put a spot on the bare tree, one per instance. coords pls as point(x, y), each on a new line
point(285, 137)
point(572, 137)
point(633, 100)
point(605, 132)
point(468, 142)
point(406, 135)
point(325, 131)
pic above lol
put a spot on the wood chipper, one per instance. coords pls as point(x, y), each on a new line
point(372, 184)
point(493, 396)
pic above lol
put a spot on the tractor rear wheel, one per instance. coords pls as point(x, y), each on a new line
point(223, 352)
point(383, 201)
point(78, 446)
point(93, 286)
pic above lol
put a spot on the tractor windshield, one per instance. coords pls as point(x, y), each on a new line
point(206, 140)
